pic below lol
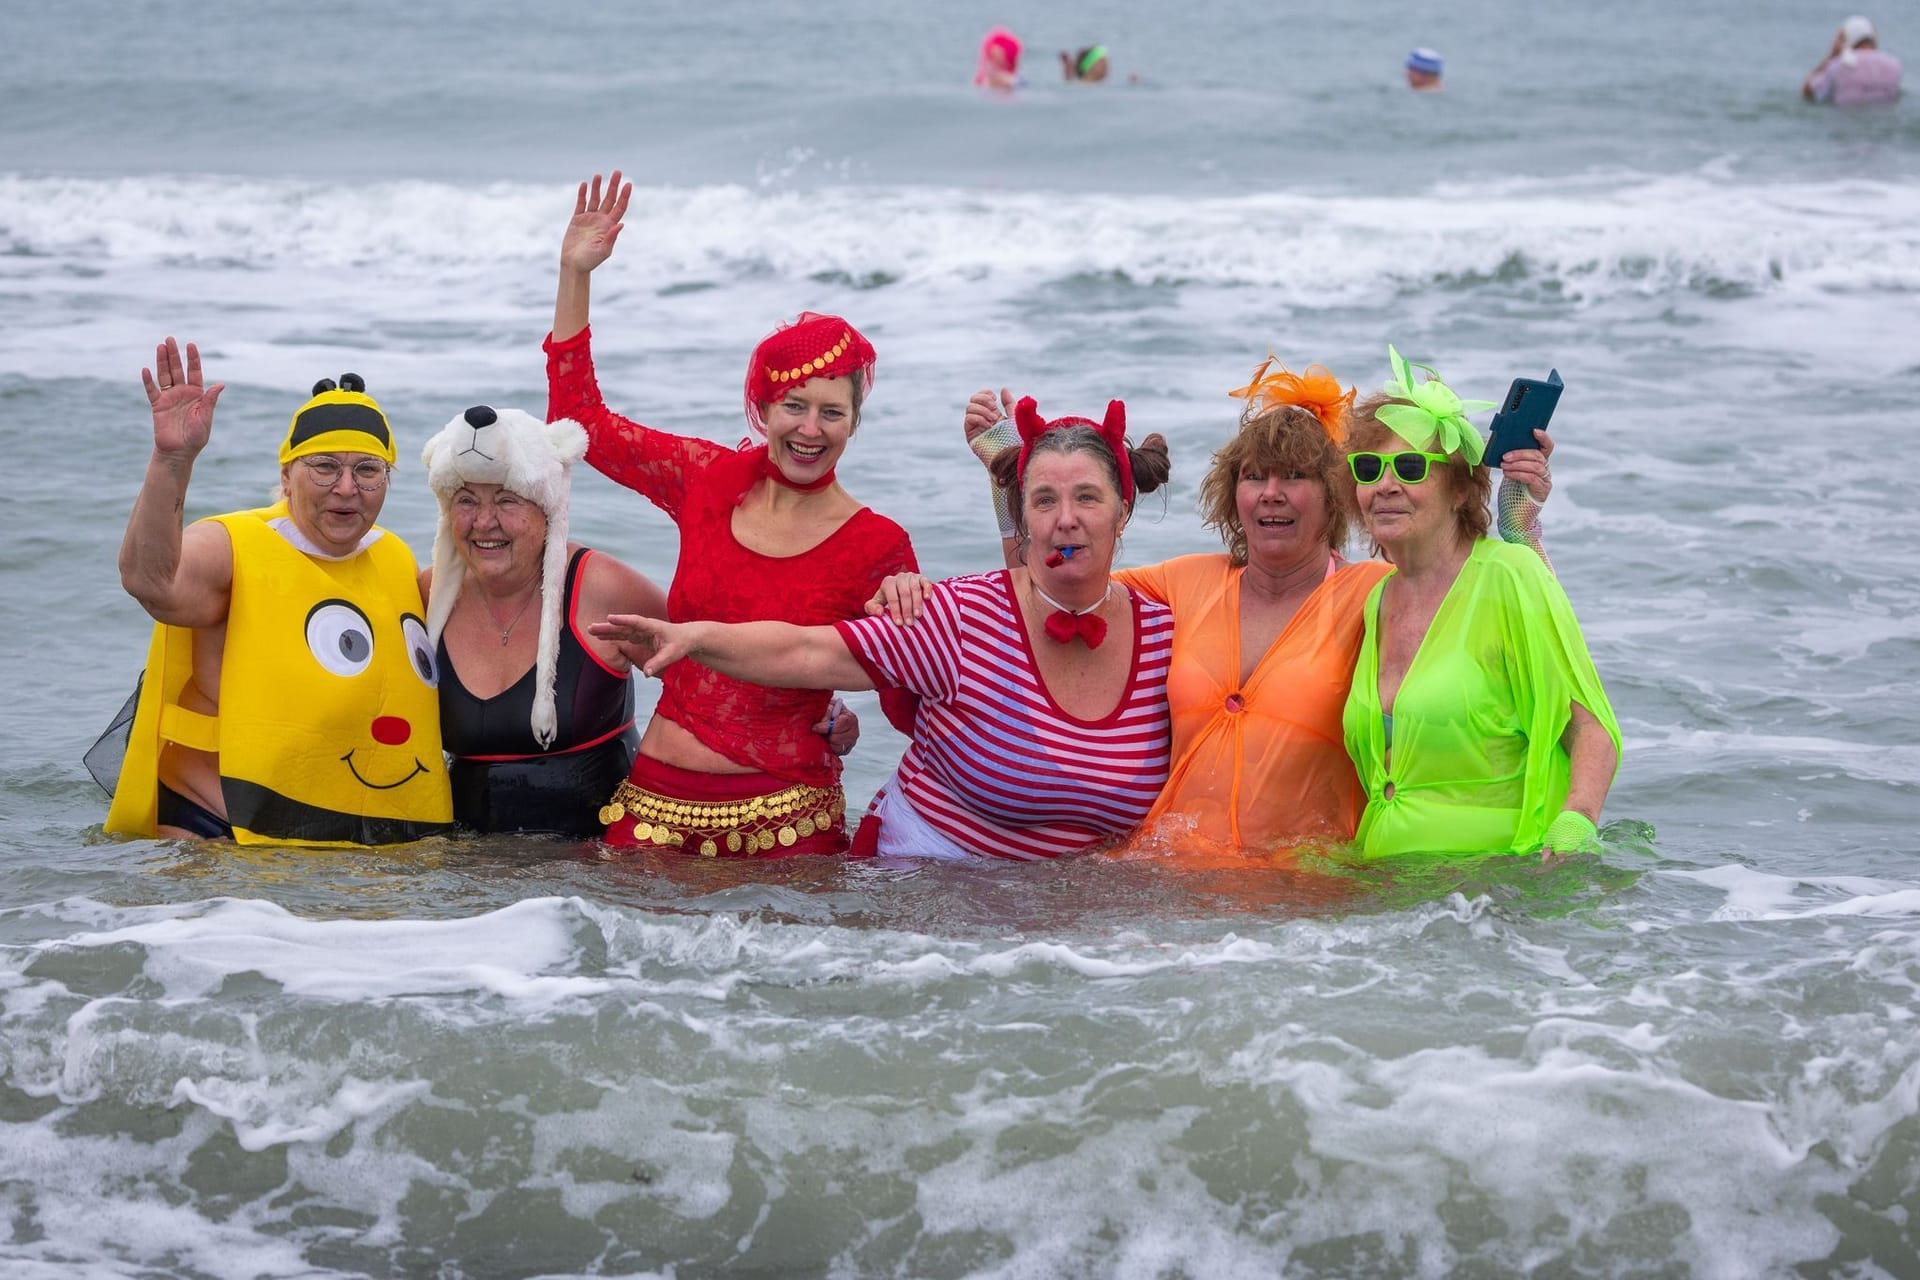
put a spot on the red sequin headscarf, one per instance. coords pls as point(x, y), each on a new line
point(814, 346)
point(1112, 429)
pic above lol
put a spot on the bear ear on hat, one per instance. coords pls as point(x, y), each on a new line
point(569, 440)
point(323, 386)
point(353, 382)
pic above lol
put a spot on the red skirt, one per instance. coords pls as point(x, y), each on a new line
point(723, 815)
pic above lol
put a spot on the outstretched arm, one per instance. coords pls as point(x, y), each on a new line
point(183, 579)
point(777, 654)
point(594, 227)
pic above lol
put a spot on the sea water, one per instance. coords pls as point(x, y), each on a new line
point(1695, 1054)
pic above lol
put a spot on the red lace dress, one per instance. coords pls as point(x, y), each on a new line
point(699, 483)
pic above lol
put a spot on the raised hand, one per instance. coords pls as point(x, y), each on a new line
point(1529, 467)
point(984, 409)
point(596, 223)
point(182, 406)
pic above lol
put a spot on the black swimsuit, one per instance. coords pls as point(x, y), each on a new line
point(502, 779)
point(175, 810)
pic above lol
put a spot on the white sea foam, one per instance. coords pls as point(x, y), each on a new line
point(1760, 895)
point(1588, 238)
point(440, 288)
point(511, 953)
point(1866, 760)
point(255, 1107)
point(1221, 1102)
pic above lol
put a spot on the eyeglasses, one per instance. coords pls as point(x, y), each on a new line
point(370, 476)
point(1408, 468)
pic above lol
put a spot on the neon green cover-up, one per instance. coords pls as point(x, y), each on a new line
point(1477, 761)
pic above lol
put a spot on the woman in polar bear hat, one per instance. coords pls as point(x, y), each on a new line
point(537, 715)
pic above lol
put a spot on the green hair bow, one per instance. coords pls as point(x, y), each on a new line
point(1435, 411)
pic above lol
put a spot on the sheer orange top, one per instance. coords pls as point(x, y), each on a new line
point(1262, 763)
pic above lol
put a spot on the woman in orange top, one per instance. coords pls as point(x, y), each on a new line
point(1264, 637)
point(1265, 633)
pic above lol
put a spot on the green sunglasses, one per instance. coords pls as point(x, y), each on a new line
point(1408, 468)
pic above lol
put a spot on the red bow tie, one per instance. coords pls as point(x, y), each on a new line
point(1064, 627)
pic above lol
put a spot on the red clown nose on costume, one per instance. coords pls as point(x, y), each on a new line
point(814, 346)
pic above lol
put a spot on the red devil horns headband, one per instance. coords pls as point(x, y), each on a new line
point(1112, 429)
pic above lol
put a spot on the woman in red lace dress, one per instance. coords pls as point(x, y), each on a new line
point(766, 533)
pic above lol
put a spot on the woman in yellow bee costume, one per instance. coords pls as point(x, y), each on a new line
point(289, 694)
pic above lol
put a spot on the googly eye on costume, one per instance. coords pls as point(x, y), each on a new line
point(340, 637)
point(414, 631)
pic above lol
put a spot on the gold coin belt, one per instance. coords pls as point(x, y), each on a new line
point(741, 827)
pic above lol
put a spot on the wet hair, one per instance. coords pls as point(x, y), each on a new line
point(1287, 439)
point(1150, 460)
point(1469, 486)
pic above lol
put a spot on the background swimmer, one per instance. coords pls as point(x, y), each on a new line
point(1424, 67)
point(1855, 72)
point(999, 65)
point(1090, 64)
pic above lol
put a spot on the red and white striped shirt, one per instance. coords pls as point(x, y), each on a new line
point(995, 764)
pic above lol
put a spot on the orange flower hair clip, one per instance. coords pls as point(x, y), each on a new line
point(1317, 391)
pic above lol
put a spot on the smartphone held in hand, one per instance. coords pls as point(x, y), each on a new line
point(1528, 408)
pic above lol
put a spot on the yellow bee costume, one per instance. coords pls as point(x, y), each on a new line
point(328, 729)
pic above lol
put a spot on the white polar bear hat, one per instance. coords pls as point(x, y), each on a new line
point(534, 459)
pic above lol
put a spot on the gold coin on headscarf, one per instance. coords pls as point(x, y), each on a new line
point(804, 826)
point(612, 813)
point(733, 842)
point(642, 831)
point(787, 837)
point(708, 849)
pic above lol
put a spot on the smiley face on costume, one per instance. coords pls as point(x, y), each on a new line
point(344, 641)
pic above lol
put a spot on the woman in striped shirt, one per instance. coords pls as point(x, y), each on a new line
point(1042, 727)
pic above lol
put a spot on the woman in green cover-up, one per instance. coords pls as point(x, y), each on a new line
point(1476, 719)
